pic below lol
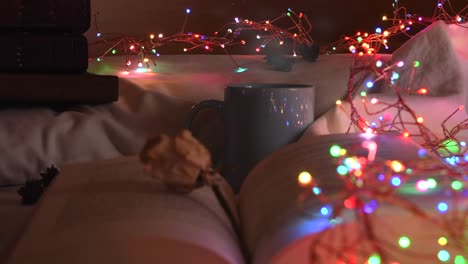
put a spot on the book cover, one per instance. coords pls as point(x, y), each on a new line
point(60, 89)
point(31, 52)
point(72, 16)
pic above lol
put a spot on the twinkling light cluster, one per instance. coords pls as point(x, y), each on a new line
point(371, 184)
point(401, 23)
point(404, 119)
point(267, 33)
point(146, 50)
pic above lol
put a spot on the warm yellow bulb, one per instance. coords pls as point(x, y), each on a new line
point(304, 178)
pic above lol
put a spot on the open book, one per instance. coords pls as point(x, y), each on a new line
point(110, 212)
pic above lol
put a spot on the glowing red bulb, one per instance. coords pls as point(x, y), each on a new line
point(422, 91)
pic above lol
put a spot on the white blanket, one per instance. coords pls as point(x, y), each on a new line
point(149, 104)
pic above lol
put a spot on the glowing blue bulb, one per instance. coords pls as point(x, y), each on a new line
point(263, 45)
point(188, 10)
point(462, 143)
point(370, 207)
point(395, 76)
point(466, 157)
point(396, 181)
point(422, 153)
point(442, 207)
point(325, 211)
point(378, 30)
point(98, 34)
point(443, 255)
point(342, 170)
point(287, 123)
point(381, 118)
point(381, 177)
point(316, 190)
point(370, 84)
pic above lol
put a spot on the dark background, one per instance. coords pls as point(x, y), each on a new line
point(330, 19)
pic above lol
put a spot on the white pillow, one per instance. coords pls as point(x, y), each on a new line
point(441, 56)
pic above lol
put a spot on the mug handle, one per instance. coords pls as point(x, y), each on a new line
point(196, 109)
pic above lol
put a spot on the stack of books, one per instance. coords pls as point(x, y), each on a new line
point(44, 56)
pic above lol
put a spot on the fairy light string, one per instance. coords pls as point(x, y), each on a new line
point(400, 24)
point(397, 116)
point(268, 32)
point(371, 184)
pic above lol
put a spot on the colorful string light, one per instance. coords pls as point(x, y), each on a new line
point(371, 183)
point(267, 33)
point(401, 24)
point(404, 120)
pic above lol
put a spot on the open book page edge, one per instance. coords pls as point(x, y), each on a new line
point(270, 192)
point(90, 203)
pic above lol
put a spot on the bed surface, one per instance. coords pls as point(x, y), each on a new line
point(158, 102)
point(149, 104)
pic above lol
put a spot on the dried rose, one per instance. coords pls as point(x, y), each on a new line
point(177, 162)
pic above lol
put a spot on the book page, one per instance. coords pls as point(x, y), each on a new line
point(280, 229)
point(110, 212)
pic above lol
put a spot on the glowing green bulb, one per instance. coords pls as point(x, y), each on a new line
point(359, 39)
point(240, 69)
point(457, 185)
point(431, 183)
point(374, 259)
point(416, 64)
point(450, 147)
point(335, 151)
point(363, 94)
point(99, 59)
point(443, 255)
point(289, 14)
point(153, 50)
point(460, 260)
point(114, 51)
point(404, 242)
point(342, 170)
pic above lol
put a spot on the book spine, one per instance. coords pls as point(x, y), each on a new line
point(25, 52)
point(57, 89)
point(72, 16)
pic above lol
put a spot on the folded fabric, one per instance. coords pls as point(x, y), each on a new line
point(441, 51)
point(434, 110)
point(149, 104)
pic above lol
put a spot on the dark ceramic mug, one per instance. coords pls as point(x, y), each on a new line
point(258, 118)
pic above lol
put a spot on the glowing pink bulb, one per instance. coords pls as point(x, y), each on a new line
point(422, 186)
